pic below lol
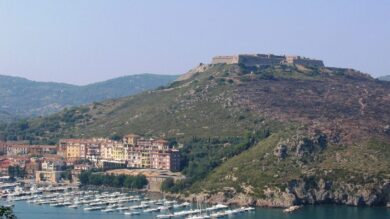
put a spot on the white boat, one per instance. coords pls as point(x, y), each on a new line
point(200, 216)
point(218, 215)
point(93, 208)
point(216, 207)
point(182, 205)
point(107, 210)
point(292, 208)
point(148, 210)
point(249, 209)
point(122, 208)
point(186, 212)
point(165, 216)
point(234, 211)
point(164, 208)
point(138, 206)
point(132, 213)
point(170, 202)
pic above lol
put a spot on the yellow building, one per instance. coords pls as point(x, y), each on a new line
point(130, 139)
point(119, 153)
point(48, 176)
point(73, 151)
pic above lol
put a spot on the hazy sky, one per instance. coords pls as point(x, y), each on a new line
point(83, 41)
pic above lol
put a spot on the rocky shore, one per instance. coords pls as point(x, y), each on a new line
point(299, 193)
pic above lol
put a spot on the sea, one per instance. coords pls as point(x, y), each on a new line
point(24, 210)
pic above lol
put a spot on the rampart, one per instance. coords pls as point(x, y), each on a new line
point(265, 59)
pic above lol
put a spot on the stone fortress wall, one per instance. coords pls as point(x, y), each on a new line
point(265, 59)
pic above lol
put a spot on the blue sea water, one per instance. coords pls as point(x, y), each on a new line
point(24, 210)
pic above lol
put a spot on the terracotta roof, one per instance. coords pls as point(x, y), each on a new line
point(132, 135)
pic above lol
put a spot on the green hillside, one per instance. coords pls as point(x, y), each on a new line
point(20, 97)
point(275, 135)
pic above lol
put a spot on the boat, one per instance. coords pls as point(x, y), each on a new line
point(218, 215)
point(138, 206)
point(164, 208)
point(148, 210)
point(249, 209)
point(182, 205)
point(107, 210)
point(132, 213)
point(292, 208)
point(122, 208)
point(165, 216)
point(93, 208)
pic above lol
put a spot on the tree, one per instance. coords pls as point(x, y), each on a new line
point(129, 182)
point(140, 181)
point(6, 213)
point(67, 175)
point(136, 182)
point(115, 137)
point(167, 184)
point(11, 172)
point(16, 171)
point(23, 125)
point(84, 177)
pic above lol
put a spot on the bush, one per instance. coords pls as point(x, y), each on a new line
point(201, 155)
point(117, 181)
point(167, 185)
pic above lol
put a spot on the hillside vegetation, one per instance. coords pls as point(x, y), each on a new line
point(21, 98)
point(275, 135)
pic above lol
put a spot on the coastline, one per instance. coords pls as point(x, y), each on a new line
point(283, 200)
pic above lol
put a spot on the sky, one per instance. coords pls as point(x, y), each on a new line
point(84, 41)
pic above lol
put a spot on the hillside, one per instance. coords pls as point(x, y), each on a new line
point(6, 117)
point(20, 97)
point(385, 78)
point(275, 136)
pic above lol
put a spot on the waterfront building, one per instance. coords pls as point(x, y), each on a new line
point(133, 151)
point(48, 176)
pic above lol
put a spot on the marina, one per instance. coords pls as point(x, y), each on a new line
point(71, 203)
point(24, 210)
point(120, 203)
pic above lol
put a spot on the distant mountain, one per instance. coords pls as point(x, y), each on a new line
point(20, 97)
point(275, 135)
point(384, 78)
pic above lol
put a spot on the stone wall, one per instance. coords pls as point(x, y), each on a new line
point(265, 59)
point(260, 59)
point(298, 60)
point(225, 60)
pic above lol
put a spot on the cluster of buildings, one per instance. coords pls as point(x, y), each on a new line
point(24, 149)
point(266, 59)
point(133, 151)
point(44, 168)
point(48, 163)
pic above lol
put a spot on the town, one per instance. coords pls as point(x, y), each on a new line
point(58, 163)
point(52, 174)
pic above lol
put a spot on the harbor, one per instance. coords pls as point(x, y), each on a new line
point(118, 203)
point(66, 202)
point(25, 210)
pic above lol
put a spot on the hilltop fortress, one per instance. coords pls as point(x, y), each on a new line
point(265, 59)
point(253, 60)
